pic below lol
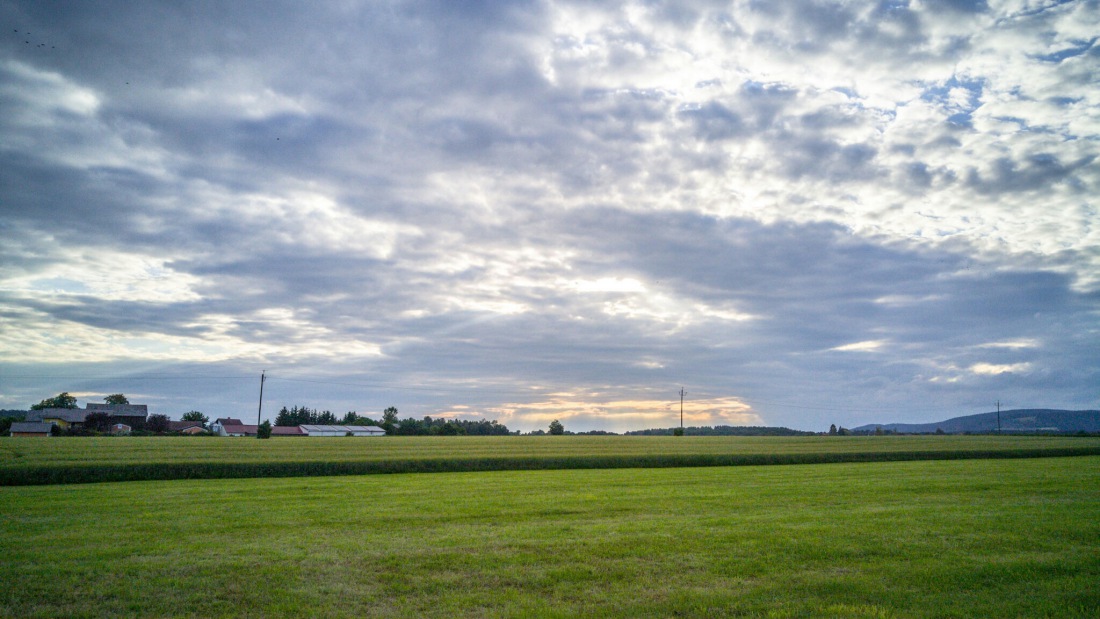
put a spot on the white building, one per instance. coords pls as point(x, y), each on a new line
point(318, 430)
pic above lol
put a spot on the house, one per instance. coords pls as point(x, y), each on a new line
point(236, 429)
point(31, 428)
point(120, 428)
point(328, 430)
point(186, 427)
point(129, 414)
point(217, 426)
point(63, 418)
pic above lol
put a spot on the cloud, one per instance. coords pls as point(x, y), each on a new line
point(994, 369)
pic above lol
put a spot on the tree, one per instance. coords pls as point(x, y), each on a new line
point(389, 415)
point(158, 423)
point(63, 400)
point(832, 429)
point(97, 422)
point(116, 398)
point(6, 421)
point(264, 430)
point(678, 432)
point(556, 427)
point(195, 416)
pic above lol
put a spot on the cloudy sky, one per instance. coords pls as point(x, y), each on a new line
point(801, 213)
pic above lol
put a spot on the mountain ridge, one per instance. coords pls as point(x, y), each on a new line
point(1021, 420)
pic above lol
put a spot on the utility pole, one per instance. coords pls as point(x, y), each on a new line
point(260, 410)
point(681, 408)
point(998, 416)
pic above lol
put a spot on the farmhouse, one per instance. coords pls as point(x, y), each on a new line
point(31, 428)
point(218, 425)
point(63, 418)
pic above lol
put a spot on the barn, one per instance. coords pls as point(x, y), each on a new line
point(326, 430)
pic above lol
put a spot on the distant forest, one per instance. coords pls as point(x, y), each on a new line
point(722, 431)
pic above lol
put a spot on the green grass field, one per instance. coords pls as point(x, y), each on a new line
point(964, 538)
point(70, 460)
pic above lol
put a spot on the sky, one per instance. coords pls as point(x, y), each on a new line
point(799, 213)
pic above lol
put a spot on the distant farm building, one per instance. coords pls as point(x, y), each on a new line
point(186, 427)
point(324, 430)
point(246, 429)
point(31, 428)
point(218, 425)
point(233, 427)
point(65, 418)
point(120, 428)
point(129, 414)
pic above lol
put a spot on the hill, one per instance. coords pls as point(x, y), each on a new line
point(1026, 420)
point(723, 431)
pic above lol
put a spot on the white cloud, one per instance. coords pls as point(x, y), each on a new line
point(992, 369)
point(865, 346)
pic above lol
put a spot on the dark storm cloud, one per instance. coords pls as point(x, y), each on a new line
point(1037, 172)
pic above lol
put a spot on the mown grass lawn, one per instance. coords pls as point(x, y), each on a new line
point(974, 538)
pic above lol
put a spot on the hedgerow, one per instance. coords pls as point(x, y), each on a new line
point(94, 473)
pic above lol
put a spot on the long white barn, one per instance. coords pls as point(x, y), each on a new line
point(320, 430)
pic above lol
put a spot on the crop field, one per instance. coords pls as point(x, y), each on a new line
point(72, 460)
point(951, 538)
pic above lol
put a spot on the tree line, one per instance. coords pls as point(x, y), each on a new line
point(391, 423)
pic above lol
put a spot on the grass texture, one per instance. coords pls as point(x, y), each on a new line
point(963, 538)
point(34, 461)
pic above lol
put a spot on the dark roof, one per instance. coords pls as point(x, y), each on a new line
point(238, 428)
point(68, 415)
point(229, 421)
point(119, 410)
point(31, 426)
point(176, 426)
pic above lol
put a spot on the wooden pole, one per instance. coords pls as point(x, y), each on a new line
point(260, 410)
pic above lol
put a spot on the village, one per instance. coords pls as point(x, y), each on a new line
point(128, 419)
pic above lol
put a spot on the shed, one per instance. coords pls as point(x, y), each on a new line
point(31, 428)
point(120, 428)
